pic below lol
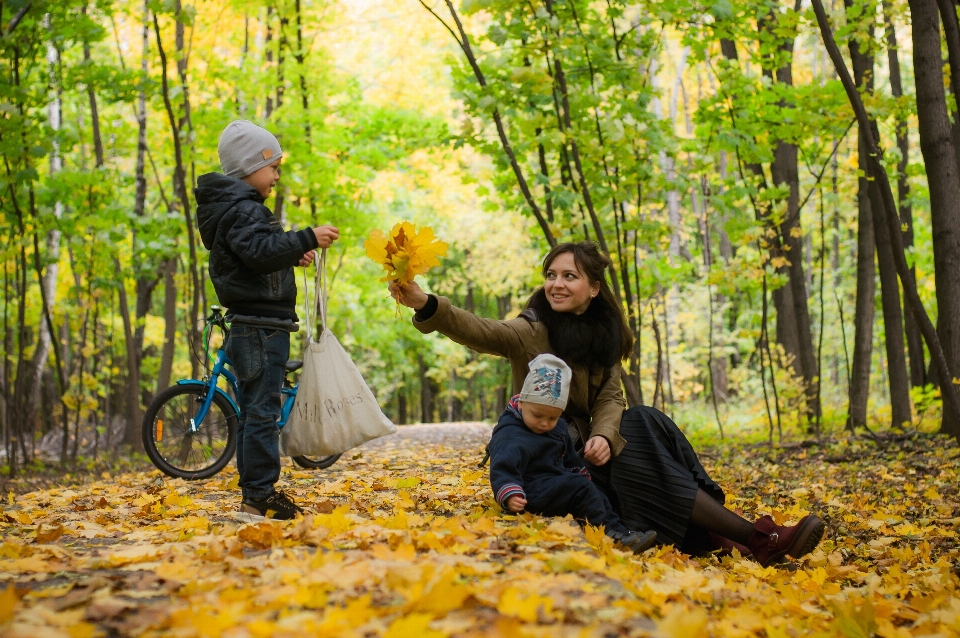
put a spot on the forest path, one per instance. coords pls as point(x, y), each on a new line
point(466, 433)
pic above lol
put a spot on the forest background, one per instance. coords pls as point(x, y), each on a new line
point(711, 149)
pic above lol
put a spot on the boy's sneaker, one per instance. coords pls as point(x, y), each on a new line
point(277, 506)
point(636, 542)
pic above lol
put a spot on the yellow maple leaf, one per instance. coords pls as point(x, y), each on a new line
point(83, 630)
point(413, 626)
point(262, 535)
point(49, 534)
point(406, 252)
point(8, 603)
point(21, 517)
point(526, 606)
point(680, 622)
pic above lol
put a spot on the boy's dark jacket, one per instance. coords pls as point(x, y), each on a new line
point(525, 463)
point(251, 256)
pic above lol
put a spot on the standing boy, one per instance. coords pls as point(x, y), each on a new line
point(251, 266)
point(534, 466)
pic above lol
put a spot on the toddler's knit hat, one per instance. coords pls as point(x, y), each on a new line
point(548, 382)
point(245, 148)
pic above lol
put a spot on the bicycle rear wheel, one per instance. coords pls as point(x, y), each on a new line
point(177, 451)
point(316, 462)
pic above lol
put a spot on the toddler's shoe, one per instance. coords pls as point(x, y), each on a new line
point(636, 542)
point(277, 506)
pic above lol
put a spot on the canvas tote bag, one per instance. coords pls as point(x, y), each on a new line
point(334, 410)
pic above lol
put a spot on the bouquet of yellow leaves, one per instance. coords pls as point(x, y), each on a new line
point(405, 252)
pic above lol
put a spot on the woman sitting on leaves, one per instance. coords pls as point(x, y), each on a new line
point(637, 456)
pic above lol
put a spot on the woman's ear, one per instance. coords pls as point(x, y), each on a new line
point(594, 289)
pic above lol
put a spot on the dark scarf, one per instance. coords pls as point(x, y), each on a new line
point(590, 339)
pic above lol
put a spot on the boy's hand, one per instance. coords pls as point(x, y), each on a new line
point(308, 258)
point(326, 235)
point(516, 503)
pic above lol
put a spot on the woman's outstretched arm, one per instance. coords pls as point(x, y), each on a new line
point(509, 339)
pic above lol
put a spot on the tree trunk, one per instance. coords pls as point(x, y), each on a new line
point(427, 395)
point(784, 171)
point(940, 160)
point(268, 57)
point(951, 31)
point(402, 405)
point(918, 372)
point(455, 408)
point(793, 316)
point(898, 382)
point(170, 321)
point(866, 293)
point(49, 283)
point(180, 174)
point(145, 284)
point(131, 433)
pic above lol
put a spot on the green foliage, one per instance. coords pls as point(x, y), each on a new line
point(630, 125)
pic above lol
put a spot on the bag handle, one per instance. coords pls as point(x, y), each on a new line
point(319, 295)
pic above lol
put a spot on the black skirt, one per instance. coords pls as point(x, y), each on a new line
point(654, 480)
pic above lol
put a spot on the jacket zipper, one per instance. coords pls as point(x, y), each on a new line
point(275, 280)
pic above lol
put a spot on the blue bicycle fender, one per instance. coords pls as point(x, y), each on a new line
point(226, 396)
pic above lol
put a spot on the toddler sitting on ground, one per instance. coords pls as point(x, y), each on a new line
point(534, 466)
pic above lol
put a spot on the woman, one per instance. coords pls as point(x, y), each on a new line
point(638, 456)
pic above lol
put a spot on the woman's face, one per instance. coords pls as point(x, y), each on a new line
point(567, 288)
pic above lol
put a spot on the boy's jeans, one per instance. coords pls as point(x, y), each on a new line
point(259, 356)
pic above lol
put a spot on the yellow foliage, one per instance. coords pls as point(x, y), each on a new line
point(405, 252)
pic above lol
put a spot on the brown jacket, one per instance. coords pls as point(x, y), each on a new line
point(596, 399)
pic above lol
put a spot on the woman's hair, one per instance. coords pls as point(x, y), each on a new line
point(593, 263)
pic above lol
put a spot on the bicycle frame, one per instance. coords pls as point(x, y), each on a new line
point(219, 369)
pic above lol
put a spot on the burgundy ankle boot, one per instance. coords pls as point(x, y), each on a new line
point(723, 546)
point(770, 541)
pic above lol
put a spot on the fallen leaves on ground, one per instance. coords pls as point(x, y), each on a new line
point(404, 540)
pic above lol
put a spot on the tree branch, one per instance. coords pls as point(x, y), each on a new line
point(464, 44)
point(17, 18)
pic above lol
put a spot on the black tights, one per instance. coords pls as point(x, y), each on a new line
point(713, 516)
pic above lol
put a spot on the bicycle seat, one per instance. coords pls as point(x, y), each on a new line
point(293, 364)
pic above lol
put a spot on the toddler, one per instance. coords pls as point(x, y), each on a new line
point(534, 466)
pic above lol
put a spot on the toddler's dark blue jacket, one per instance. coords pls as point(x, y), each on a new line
point(535, 466)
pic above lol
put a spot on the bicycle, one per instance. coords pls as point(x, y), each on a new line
point(190, 429)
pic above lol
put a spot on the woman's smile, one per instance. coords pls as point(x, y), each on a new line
point(567, 288)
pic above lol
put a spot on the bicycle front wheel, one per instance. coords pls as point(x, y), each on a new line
point(171, 445)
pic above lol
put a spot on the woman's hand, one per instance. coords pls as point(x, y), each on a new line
point(516, 503)
point(597, 450)
point(409, 294)
point(307, 258)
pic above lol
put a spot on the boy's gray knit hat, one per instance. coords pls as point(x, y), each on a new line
point(548, 382)
point(245, 148)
